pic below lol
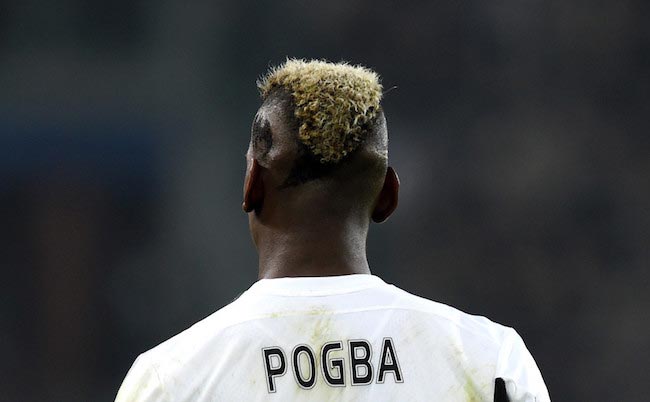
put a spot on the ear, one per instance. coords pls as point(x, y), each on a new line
point(253, 188)
point(388, 197)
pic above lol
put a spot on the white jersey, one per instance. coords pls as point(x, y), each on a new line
point(342, 338)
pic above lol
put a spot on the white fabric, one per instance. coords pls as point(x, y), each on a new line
point(430, 351)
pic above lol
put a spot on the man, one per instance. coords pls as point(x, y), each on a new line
point(318, 326)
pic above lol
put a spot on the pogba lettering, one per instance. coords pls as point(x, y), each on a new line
point(357, 358)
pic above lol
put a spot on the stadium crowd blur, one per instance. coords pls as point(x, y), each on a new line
point(519, 130)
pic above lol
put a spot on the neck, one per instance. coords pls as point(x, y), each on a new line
point(312, 251)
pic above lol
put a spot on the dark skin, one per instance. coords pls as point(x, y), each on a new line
point(317, 228)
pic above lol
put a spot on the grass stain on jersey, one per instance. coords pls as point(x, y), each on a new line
point(472, 392)
point(321, 328)
point(318, 326)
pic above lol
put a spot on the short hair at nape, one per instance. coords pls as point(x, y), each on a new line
point(335, 103)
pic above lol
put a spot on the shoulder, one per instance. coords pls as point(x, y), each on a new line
point(199, 333)
point(480, 336)
point(471, 325)
point(150, 375)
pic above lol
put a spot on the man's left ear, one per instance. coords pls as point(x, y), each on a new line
point(388, 197)
point(253, 188)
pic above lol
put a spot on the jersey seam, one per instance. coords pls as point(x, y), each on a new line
point(505, 349)
point(160, 380)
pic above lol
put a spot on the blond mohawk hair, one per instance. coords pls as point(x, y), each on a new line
point(334, 103)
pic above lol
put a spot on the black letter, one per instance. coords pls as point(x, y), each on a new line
point(338, 381)
point(355, 361)
point(388, 362)
point(273, 371)
point(309, 382)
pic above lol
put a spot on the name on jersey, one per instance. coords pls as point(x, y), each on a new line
point(307, 366)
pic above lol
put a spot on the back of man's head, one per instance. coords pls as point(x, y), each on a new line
point(321, 136)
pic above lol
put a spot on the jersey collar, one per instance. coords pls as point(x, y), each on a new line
point(317, 286)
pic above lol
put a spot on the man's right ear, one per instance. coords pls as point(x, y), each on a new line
point(253, 188)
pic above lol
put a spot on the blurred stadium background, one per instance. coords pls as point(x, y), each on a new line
point(519, 129)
